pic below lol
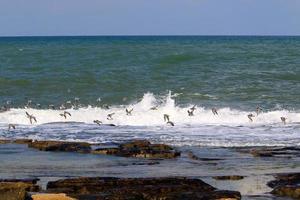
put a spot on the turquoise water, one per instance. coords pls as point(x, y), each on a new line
point(239, 72)
point(233, 74)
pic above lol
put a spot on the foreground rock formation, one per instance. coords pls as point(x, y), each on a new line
point(286, 185)
point(140, 149)
point(16, 189)
point(81, 147)
point(139, 188)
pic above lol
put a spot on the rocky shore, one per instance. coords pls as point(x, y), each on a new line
point(140, 153)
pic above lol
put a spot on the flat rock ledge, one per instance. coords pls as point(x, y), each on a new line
point(286, 185)
point(87, 188)
point(140, 149)
point(285, 152)
point(80, 147)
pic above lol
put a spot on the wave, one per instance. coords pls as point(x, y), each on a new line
point(143, 115)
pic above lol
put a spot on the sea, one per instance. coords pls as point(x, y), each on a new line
point(91, 77)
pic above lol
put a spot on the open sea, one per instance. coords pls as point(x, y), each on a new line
point(91, 77)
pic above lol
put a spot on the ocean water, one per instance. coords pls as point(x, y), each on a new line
point(87, 74)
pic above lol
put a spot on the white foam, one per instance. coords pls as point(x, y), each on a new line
point(142, 115)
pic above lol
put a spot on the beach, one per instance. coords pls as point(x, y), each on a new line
point(218, 113)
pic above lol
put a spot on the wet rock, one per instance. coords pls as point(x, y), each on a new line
point(284, 152)
point(22, 141)
point(140, 149)
point(285, 179)
point(287, 185)
point(192, 156)
point(27, 180)
point(16, 190)
point(59, 196)
point(81, 147)
point(231, 177)
point(139, 188)
point(292, 191)
point(3, 141)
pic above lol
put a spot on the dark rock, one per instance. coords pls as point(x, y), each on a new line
point(292, 191)
point(3, 141)
point(231, 177)
point(27, 180)
point(140, 149)
point(287, 185)
point(81, 147)
point(22, 141)
point(192, 156)
point(285, 152)
point(139, 188)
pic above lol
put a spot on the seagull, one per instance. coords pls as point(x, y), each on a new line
point(30, 117)
point(109, 116)
point(190, 112)
point(250, 117)
point(128, 112)
point(214, 111)
point(11, 126)
point(283, 119)
point(166, 117)
point(258, 110)
point(29, 102)
point(97, 122)
point(65, 114)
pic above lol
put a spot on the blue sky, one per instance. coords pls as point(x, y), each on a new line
point(149, 17)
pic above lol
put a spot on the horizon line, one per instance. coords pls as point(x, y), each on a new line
point(154, 35)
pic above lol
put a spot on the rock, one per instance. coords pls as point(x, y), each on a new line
point(285, 179)
point(139, 188)
point(81, 147)
point(286, 185)
point(22, 141)
point(16, 190)
point(291, 191)
point(231, 177)
point(192, 156)
point(286, 152)
point(59, 196)
point(28, 180)
point(3, 141)
point(140, 149)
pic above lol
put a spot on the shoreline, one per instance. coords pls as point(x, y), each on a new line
point(236, 169)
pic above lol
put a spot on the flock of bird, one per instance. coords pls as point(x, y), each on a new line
point(166, 117)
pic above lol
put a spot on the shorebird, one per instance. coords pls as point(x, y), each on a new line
point(193, 108)
point(128, 112)
point(214, 111)
point(11, 126)
point(153, 108)
point(283, 119)
point(38, 105)
point(166, 117)
point(76, 99)
point(28, 104)
point(258, 110)
point(171, 123)
point(51, 106)
point(4, 109)
point(62, 107)
point(65, 114)
point(98, 122)
point(109, 116)
point(30, 117)
point(190, 112)
point(105, 106)
point(250, 117)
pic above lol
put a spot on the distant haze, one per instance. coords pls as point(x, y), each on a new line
point(149, 17)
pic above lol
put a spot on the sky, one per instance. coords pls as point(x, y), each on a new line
point(149, 17)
